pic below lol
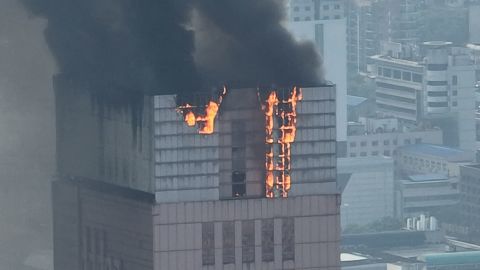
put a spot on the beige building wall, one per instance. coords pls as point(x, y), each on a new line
point(295, 233)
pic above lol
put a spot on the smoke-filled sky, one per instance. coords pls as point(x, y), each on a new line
point(27, 135)
point(149, 46)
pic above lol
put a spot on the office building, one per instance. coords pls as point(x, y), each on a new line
point(211, 211)
point(219, 193)
point(470, 198)
point(367, 191)
point(431, 159)
point(323, 22)
point(437, 91)
point(382, 136)
point(425, 194)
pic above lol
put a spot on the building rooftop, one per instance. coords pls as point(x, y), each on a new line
point(427, 177)
point(355, 100)
point(390, 59)
point(447, 153)
point(454, 258)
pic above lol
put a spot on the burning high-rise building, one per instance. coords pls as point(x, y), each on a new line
point(241, 178)
point(258, 191)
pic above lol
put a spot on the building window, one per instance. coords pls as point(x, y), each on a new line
point(336, 17)
point(379, 72)
point(375, 143)
point(418, 140)
point(308, 18)
point(386, 142)
point(363, 154)
point(326, 7)
point(326, 17)
point(395, 142)
point(267, 240)
point(375, 153)
point(296, 9)
point(397, 74)
point(407, 141)
point(387, 72)
point(407, 76)
point(337, 6)
point(386, 153)
point(307, 8)
point(454, 104)
point(353, 144)
point(353, 155)
point(417, 78)
point(437, 104)
point(437, 83)
point(288, 239)
point(239, 185)
point(208, 244)
point(363, 143)
point(455, 92)
point(296, 19)
point(454, 80)
point(248, 241)
point(228, 242)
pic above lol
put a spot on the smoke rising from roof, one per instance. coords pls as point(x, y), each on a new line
point(124, 47)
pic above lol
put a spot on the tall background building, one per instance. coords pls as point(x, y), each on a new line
point(323, 22)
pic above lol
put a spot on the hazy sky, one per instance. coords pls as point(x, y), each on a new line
point(27, 134)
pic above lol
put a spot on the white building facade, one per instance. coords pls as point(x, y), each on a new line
point(323, 23)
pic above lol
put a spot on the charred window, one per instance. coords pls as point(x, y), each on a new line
point(238, 159)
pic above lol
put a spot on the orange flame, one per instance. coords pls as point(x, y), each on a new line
point(284, 112)
point(207, 121)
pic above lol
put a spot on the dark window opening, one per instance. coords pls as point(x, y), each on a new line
point(239, 186)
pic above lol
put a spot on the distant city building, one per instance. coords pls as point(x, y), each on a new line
point(438, 91)
point(382, 136)
point(406, 20)
point(431, 159)
point(470, 200)
point(474, 22)
point(426, 193)
point(323, 22)
point(368, 190)
point(366, 27)
point(359, 106)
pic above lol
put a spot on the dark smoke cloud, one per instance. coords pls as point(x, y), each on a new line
point(121, 45)
point(243, 40)
point(122, 48)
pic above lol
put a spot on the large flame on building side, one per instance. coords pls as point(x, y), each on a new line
point(280, 131)
point(206, 119)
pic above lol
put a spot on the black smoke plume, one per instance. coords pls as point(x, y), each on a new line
point(122, 49)
point(244, 41)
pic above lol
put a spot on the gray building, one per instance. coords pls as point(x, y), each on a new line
point(241, 186)
point(367, 191)
point(426, 193)
point(470, 198)
point(437, 91)
point(211, 211)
